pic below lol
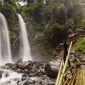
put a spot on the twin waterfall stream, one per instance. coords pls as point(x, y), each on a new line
point(5, 48)
point(25, 52)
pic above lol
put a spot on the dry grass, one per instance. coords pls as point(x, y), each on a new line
point(80, 78)
point(77, 73)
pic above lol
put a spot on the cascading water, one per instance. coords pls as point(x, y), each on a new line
point(44, 1)
point(0, 44)
point(10, 77)
point(5, 51)
point(25, 51)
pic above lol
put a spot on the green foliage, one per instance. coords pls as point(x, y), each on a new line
point(55, 12)
point(8, 6)
point(57, 19)
point(71, 25)
point(80, 45)
point(35, 10)
point(54, 34)
point(9, 10)
point(51, 22)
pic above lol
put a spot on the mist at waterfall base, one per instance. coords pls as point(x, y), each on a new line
point(10, 77)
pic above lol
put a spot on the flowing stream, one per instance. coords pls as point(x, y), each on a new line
point(5, 50)
point(10, 77)
point(25, 50)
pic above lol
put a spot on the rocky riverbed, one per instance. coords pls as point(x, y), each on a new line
point(35, 72)
point(29, 73)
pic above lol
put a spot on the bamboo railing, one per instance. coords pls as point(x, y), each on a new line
point(62, 69)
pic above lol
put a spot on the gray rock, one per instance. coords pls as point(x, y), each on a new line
point(1, 72)
point(51, 72)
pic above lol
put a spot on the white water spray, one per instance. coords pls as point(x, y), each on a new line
point(44, 1)
point(10, 77)
point(25, 51)
point(0, 46)
point(5, 51)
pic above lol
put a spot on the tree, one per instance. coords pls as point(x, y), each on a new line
point(0, 5)
point(8, 7)
point(55, 33)
point(61, 19)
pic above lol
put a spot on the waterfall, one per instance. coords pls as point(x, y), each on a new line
point(35, 1)
point(0, 44)
point(44, 1)
point(25, 51)
point(5, 51)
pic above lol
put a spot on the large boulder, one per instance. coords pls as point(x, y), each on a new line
point(22, 65)
point(1, 72)
point(10, 66)
point(51, 71)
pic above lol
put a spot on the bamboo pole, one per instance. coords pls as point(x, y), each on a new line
point(65, 65)
point(59, 73)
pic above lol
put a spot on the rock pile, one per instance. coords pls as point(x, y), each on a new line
point(33, 72)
